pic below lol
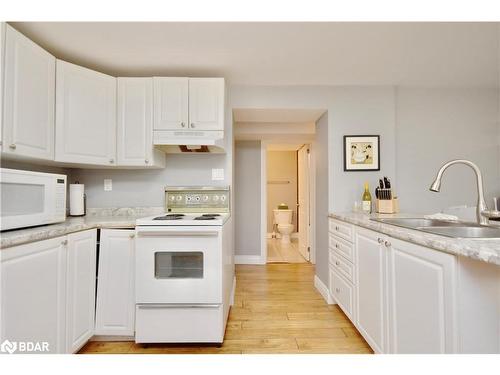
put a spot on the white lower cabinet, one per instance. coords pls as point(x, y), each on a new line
point(48, 290)
point(115, 287)
point(371, 291)
point(34, 294)
point(80, 297)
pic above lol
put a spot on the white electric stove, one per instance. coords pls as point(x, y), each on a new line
point(185, 268)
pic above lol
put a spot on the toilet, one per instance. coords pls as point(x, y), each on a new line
point(283, 218)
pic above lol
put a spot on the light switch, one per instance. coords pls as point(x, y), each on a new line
point(217, 174)
point(108, 184)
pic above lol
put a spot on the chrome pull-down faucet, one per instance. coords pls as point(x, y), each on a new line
point(482, 208)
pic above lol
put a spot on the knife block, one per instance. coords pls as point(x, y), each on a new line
point(387, 206)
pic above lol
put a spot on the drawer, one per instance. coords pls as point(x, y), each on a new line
point(344, 248)
point(171, 324)
point(343, 292)
point(342, 266)
point(341, 229)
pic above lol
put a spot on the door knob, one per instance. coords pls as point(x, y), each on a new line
point(183, 125)
point(192, 124)
point(380, 240)
point(387, 244)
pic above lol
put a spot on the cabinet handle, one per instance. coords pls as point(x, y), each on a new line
point(337, 263)
point(336, 228)
point(132, 235)
point(64, 243)
point(192, 124)
point(336, 245)
point(111, 161)
point(387, 244)
point(146, 161)
point(380, 240)
point(12, 146)
point(337, 290)
point(183, 125)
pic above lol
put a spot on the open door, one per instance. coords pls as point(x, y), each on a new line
point(303, 219)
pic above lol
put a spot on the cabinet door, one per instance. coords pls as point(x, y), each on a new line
point(115, 287)
point(29, 93)
point(422, 299)
point(370, 260)
point(206, 103)
point(170, 103)
point(80, 297)
point(33, 293)
point(85, 115)
point(135, 121)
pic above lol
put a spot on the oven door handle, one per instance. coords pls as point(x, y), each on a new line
point(151, 232)
point(178, 305)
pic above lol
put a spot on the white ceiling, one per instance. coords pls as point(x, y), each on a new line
point(435, 54)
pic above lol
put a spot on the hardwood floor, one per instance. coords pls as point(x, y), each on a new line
point(283, 253)
point(277, 311)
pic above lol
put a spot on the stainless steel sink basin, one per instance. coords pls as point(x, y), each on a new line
point(455, 229)
point(476, 232)
point(414, 223)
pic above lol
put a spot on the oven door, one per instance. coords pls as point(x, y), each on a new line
point(178, 265)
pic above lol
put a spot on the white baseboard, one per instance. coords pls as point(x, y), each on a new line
point(249, 259)
point(323, 290)
point(112, 338)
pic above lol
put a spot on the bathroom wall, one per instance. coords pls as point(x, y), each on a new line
point(281, 184)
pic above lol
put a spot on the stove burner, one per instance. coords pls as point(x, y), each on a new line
point(170, 217)
point(203, 217)
point(210, 215)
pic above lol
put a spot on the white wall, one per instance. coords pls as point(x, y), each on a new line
point(247, 184)
point(435, 126)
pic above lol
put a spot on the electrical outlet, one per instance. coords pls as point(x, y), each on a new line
point(108, 184)
point(217, 174)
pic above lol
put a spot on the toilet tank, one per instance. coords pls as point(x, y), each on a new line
point(283, 216)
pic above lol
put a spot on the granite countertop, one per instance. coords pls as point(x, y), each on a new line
point(95, 218)
point(485, 250)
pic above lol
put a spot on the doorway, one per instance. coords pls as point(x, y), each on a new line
point(288, 199)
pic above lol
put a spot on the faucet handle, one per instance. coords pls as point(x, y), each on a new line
point(491, 214)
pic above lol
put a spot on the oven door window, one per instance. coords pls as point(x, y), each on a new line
point(179, 265)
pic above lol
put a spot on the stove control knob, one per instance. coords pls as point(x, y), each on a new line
point(223, 198)
point(179, 198)
point(171, 198)
point(197, 198)
point(216, 198)
point(189, 198)
point(205, 198)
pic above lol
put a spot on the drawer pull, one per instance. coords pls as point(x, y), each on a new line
point(336, 245)
point(387, 244)
point(132, 235)
point(64, 242)
point(337, 263)
point(380, 240)
point(337, 228)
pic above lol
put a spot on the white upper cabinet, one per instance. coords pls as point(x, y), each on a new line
point(422, 299)
point(29, 92)
point(85, 116)
point(171, 103)
point(206, 103)
point(188, 103)
point(135, 124)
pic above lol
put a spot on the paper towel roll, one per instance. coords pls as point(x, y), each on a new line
point(76, 200)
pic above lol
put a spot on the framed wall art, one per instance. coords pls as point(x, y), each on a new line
point(361, 153)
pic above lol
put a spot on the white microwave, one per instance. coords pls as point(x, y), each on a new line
point(31, 198)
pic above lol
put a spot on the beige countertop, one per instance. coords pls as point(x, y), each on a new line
point(95, 218)
point(487, 250)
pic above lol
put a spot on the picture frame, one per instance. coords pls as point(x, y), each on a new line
point(361, 153)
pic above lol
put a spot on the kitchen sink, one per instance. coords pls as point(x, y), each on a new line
point(414, 223)
point(455, 229)
point(477, 232)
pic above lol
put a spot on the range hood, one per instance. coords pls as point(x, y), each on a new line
point(178, 141)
